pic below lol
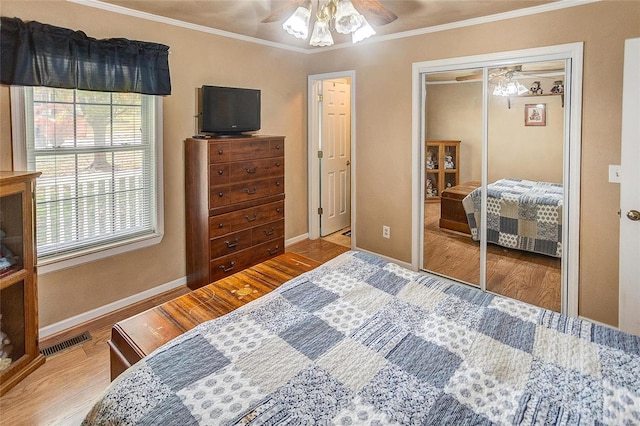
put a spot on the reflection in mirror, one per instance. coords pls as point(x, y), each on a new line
point(453, 162)
point(524, 182)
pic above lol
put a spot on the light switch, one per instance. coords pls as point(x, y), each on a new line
point(614, 173)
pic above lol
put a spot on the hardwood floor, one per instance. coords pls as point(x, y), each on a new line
point(63, 390)
point(530, 277)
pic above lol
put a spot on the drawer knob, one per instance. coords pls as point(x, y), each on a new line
point(274, 251)
point(278, 164)
point(220, 194)
point(229, 268)
point(277, 210)
point(277, 146)
point(278, 183)
point(231, 244)
point(249, 219)
point(221, 225)
point(251, 171)
point(220, 152)
point(220, 172)
point(269, 232)
point(250, 192)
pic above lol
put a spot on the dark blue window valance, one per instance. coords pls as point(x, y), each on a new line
point(35, 54)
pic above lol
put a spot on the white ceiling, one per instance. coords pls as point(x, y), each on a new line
point(243, 17)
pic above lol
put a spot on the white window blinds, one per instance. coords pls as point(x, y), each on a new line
point(97, 155)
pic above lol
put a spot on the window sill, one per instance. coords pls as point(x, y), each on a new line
point(69, 261)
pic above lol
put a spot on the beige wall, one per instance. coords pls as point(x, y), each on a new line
point(525, 152)
point(454, 112)
point(196, 58)
point(383, 89)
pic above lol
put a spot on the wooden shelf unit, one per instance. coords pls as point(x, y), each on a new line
point(535, 96)
point(234, 189)
point(18, 282)
point(440, 175)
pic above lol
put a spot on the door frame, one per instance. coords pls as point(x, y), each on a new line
point(629, 269)
point(313, 179)
point(572, 53)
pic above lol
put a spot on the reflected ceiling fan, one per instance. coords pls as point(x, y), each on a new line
point(344, 16)
point(508, 73)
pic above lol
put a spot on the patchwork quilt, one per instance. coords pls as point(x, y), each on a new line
point(363, 341)
point(521, 214)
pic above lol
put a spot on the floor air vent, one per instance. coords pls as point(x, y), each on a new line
point(58, 347)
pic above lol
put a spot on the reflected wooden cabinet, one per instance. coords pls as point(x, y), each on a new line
point(442, 163)
point(20, 353)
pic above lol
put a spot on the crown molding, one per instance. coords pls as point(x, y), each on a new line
point(177, 23)
point(548, 7)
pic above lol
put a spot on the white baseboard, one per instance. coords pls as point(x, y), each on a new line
point(123, 303)
point(598, 322)
point(106, 309)
point(387, 258)
point(297, 239)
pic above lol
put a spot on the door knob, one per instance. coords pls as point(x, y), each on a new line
point(348, 163)
point(633, 214)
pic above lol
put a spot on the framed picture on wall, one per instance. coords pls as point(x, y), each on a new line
point(535, 114)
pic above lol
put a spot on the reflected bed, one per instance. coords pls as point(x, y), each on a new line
point(521, 214)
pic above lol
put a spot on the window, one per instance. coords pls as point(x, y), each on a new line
point(100, 158)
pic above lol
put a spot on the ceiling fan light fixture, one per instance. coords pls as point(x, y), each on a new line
point(321, 36)
point(510, 88)
point(347, 19)
point(365, 31)
point(298, 24)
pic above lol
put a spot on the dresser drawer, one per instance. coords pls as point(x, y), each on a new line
point(229, 173)
point(267, 232)
point(247, 191)
point(230, 243)
point(276, 148)
point(227, 265)
point(245, 218)
point(240, 150)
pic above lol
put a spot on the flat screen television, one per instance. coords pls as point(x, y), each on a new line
point(229, 111)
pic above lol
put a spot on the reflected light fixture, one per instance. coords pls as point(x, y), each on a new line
point(510, 87)
point(331, 15)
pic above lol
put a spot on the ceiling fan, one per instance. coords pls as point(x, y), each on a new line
point(342, 16)
point(375, 12)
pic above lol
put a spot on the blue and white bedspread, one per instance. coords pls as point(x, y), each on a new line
point(362, 341)
point(521, 214)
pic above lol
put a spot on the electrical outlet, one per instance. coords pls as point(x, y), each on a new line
point(386, 231)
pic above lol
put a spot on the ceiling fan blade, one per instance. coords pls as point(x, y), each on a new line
point(374, 11)
point(283, 11)
point(469, 77)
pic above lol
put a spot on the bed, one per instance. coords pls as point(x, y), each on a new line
point(363, 341)
point(521, 214)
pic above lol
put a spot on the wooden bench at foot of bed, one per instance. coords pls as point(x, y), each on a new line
point(452, 214)
point(138, 336)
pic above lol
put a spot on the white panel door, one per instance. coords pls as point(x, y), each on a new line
point(335, 144)
point(629, 291)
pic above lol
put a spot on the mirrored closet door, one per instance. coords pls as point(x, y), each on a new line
point(525, 127)
point(496, 139)
point(453, 154)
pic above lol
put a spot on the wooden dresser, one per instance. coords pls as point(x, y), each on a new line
point(452, 213)
point(234, 190)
